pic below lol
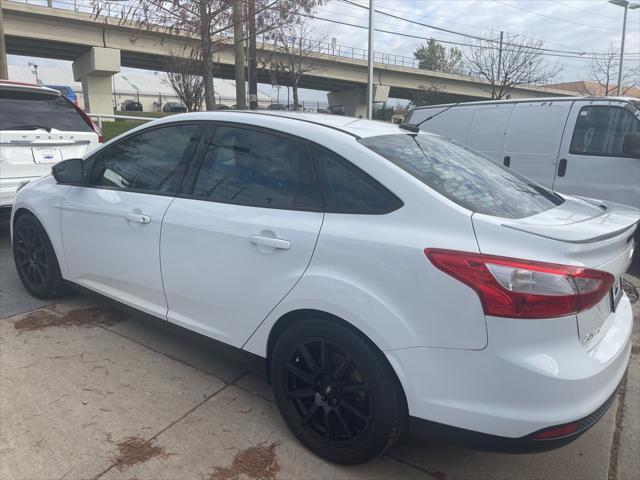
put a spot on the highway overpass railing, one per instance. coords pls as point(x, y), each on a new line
point(121, 10)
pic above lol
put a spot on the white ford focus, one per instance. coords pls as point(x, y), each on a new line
point(392, 280)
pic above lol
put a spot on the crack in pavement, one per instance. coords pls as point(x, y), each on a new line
point(182, 417)
point(172, 357)
point(436, 475)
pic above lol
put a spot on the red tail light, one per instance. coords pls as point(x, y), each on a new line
point(514, 288)
point(87, 119)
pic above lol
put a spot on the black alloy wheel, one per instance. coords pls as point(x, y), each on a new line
point(35, 258)
point(326, 390)
point(337, 391)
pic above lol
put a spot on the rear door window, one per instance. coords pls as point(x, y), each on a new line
point(246, 166)
point(30, 111)
point(600, 131)
point(467, 178)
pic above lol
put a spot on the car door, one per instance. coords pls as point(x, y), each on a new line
point(533, 139)
point(592, 161)
point(239, 238)
point(111, 224)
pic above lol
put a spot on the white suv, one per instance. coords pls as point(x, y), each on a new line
point(391, 279)
point(38, 127)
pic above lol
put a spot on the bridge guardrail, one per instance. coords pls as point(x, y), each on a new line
point(120, 10)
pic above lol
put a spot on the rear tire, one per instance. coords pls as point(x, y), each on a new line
point(35, 259)
point(336, 391)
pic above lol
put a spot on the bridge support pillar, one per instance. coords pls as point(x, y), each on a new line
point(94, 69)
point(354, 101)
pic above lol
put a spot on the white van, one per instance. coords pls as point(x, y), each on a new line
point(579, 146)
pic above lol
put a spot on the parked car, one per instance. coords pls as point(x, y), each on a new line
point(174, 107)
point(65, 91)
point(131, 106)
point(391, 280)
point(580, 146)
point(38, 127)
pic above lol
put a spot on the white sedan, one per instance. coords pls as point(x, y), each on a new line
point(393, 280)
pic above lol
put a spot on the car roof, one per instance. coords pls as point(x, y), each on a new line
point(529, 100)
point(355, 127)
point(9, 85)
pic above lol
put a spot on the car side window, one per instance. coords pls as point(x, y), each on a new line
point(152, 161)
point(601, 130)
point(347, 189)
point(249, 167)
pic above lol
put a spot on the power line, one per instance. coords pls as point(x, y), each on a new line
point(475, 37)
point(554, 18)
point(419, 37)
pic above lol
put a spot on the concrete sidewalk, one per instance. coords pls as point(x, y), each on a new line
point(87, 392)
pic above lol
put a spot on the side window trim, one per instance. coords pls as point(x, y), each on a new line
point(198, 160)
point(187, 158)
point(200, 152)
point(395, 203)
point(572, 151)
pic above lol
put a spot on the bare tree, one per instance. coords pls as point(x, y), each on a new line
point(185, 78)
point(604, 70)
point(201, 20)
point(519, 61)
point(294, 54)
point(204, 21)
point(434, 94)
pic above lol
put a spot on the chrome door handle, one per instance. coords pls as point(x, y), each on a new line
point(270, 242)
point(138, 218)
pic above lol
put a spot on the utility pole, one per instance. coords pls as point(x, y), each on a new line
point(253, 61)
point(627, 6)
point(4, 70)
point(238, 50)
point(499, 66)
point(372, 9)
point(624, 31)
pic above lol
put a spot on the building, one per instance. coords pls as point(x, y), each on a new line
point(590, 88)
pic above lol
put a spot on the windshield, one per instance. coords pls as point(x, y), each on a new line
point(468, 178)
point(32, 110)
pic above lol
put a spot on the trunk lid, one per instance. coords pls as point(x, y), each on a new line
point(579, 232)
point(31, 153)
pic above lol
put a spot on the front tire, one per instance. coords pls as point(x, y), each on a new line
point(35, 258)
point(337, 392)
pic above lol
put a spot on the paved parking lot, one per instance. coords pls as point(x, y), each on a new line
point(87, 391)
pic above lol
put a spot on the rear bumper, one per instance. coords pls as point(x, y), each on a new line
point(532, 375)
point(494, 443)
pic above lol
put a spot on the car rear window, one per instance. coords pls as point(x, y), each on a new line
point(467, 178)
point(29, 111)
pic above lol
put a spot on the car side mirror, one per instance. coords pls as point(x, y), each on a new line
point(68, 172)
point(631, 145)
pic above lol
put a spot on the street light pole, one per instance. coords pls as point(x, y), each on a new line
point(626, 5)
point(372, 9)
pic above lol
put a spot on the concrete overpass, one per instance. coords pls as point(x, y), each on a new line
point(98, 46)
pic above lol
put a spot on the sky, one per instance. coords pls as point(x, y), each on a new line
point(577, 26)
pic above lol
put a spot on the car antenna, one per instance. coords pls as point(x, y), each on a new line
point(415, 128)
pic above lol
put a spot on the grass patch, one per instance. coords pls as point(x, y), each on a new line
point(113, 129)
point(143, 114)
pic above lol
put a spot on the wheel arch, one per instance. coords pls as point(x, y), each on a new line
point(289, 318)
